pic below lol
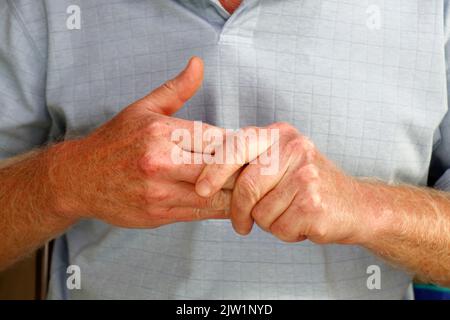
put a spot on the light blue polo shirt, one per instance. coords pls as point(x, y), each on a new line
point(365, 80)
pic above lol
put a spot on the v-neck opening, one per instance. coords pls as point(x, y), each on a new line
point(221, 9)
point(244, 6)
point(220, 29)
point(236, 13)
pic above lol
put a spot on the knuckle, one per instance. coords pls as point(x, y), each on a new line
point(155, 127)
point(214, 180)
point(170, 86)
point(284, 232)
point(151, 164)
point(157, 195)
point(294, 147)
point(308, 144)
point(307, 174)
point(316, 202)
point(313, 200)
point(247, 188)
point(218, 201)
point(300, 144)
point(311, 155)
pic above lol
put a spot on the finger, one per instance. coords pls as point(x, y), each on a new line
point(187, 167)
point(231, 182)
point(256, 181)
point(184, 166)
point(298, 186)
point(291, 225)
point(184, 214)
point(190, 172)
point(184, 195)
point(171, 96)
point(238, 149)
point(196, 136)
point(273, 204)
point(170, 162)
point(251, 186)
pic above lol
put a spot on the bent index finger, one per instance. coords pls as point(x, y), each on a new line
point(195, 136)
point(185, 196)
point(238, 149)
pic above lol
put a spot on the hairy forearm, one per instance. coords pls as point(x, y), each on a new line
point(410, 227)
point(28, 205)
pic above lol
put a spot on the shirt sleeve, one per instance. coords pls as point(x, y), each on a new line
point(439, 176)
point(24, 120)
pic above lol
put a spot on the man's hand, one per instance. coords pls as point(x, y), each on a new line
point(310, 198)
point(123, 172)
point(307, 197)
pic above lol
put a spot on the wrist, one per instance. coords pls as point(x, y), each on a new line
point(375, 211)
point(63, 179)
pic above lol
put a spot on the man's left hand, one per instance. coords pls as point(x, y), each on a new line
point(307, 198)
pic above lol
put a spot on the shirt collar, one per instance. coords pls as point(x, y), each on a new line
point(222, 10)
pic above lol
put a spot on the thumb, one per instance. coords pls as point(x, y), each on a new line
point(172, 95)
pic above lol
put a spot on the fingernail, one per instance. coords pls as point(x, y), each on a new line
point(242, 231)
point(203, 188)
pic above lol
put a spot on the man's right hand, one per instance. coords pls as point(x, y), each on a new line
point(123, 173)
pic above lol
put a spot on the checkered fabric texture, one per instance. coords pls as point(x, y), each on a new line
point(373, 99)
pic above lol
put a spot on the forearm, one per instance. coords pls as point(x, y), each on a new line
point(29, 213)
point(409, 227)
